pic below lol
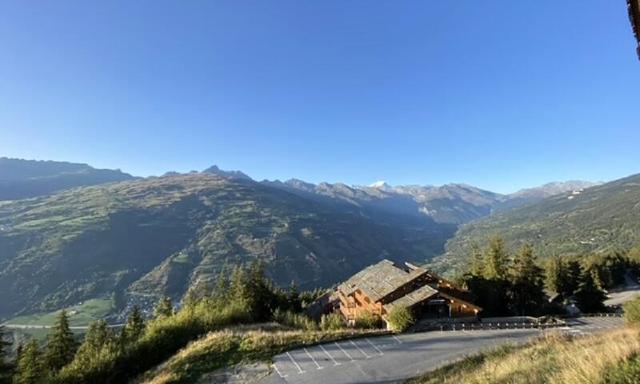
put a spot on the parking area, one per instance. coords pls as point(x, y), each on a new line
point(394, 358)
point(333, 354)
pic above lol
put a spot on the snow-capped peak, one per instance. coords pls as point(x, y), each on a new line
point(380, 185)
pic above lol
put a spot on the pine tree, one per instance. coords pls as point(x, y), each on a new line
point(496, 260)
point(29, 368)
point(5, 366)
point(572, 280)
point(556, 274)
point(134, 327)
point(293, 298)
point(527, 282)
point(590, 298)
point(100, 345)
point(222, 284)
point(477, 261)
point(61, 346)
point(164, 308)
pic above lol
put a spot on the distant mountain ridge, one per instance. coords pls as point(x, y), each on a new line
point(599, 218)
point(20, 179)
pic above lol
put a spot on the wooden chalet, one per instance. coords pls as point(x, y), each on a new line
point(382, 286)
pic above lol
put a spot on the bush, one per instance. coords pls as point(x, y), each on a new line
point(632, 311)
point(400, 319)
point(294, 320)
point(367, 320)
point(332, 322)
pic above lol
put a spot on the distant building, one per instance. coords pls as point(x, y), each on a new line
point(382, 286)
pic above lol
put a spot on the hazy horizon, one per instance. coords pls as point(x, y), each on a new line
point(502, 95)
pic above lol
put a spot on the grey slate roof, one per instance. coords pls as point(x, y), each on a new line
point(379, 280)
point(412, 298)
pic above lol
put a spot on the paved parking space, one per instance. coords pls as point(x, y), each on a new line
point(394, 358)
point(331, 355)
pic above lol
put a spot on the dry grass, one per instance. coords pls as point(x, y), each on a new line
point(553, 359)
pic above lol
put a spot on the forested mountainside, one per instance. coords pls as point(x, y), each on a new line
point(597, 219)
point(450, 203)
point(21, 179)
point(159, 236)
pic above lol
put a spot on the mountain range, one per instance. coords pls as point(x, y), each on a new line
point(134, 239)
point(21, 179)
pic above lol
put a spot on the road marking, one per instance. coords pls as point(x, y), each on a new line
point(376, 348)
point(328, 354)
point(398, 340)
point(359, 349)
point(300, 371)
point(343, 351)
point(277, 370)
point(311, 357)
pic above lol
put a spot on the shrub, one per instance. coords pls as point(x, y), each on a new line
point(294, 320)
point(331, 322)
point(632, 311)
point(367, 320)
point(400, 319)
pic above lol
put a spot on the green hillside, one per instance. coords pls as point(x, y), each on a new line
point(598, 219)
point(134, 241)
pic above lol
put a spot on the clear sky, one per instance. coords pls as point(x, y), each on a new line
point(501, 94)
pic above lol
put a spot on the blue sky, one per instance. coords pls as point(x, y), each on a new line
point(501, 94)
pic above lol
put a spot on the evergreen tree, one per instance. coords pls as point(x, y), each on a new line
point(556, 274)
point(5, 366)
point(30, 368)
point(527, 283)
point(61, 346)
point(590, 298)
point(100, 345)
point(293, 298)
point(222, 284)
point(477, 261)
point(164, 308)
point(190, 298)
point(134, 327)
point(496, 260)
point(573, 277)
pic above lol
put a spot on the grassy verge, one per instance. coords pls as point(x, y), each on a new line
point(229, 347)
point(607, 357)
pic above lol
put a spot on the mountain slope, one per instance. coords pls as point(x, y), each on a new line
point(597, 219)
point(21, 179)
point(448, 204)
point(536, 194)
point(148, 237)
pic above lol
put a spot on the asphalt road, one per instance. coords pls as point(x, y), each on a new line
point(393, 359)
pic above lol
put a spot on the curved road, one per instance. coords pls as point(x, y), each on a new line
point(393, 359)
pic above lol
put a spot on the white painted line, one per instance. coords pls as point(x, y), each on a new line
point(398, 340)
point(311, 357)
point(277, 370)
point(300, 371)
point(343, 351)
point(328, 354)
point(363, 352)
point(376, 348)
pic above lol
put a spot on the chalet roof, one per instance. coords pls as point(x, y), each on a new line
point(379, 280)
point(412, 298)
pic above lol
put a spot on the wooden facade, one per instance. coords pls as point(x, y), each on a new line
point(380, 287)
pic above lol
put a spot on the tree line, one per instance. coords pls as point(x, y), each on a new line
point(242, 295)
point(503, 282)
